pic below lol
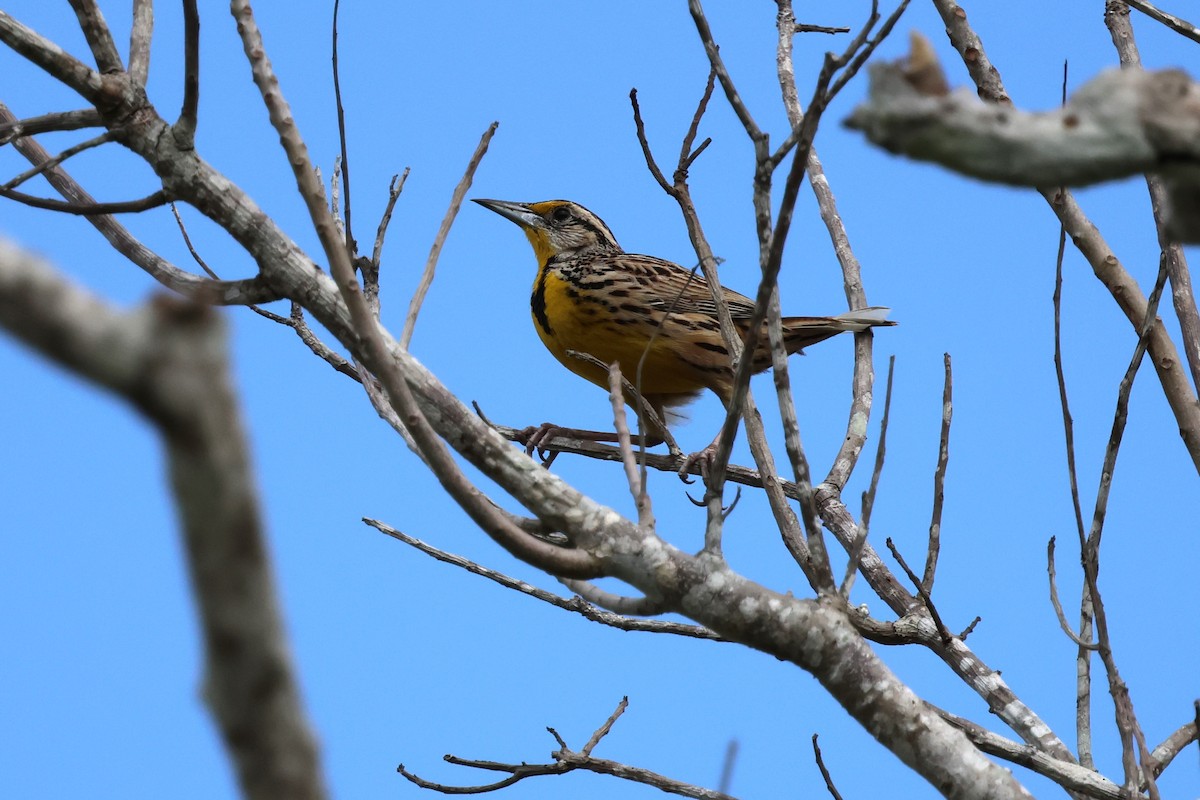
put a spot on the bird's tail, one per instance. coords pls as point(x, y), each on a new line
point(800, 332)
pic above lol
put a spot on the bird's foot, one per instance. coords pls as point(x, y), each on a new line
point(535, 437)
point(700, 460)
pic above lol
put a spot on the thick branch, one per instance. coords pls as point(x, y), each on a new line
point(1120, 123)
point(168, 359)
point(1090, 243)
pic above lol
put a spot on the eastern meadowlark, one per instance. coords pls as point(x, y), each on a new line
point(590, 296)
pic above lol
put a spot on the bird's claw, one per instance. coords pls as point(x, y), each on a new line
point(535, 436)
point(702, 459)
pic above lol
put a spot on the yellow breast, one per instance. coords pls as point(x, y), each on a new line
point(568, 319)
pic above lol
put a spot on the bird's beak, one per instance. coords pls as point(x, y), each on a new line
point(519, 213)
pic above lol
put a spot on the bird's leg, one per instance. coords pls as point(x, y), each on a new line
point(704, 458)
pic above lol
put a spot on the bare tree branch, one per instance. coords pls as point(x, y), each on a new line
point(375, 351)
point(633, 476)
point(395, 187)
point(44, 123)
point(566, 760)
point(714, 471)
point(868, 500)
point(343, 142)
point(1116, 16)
point(1132, 738)
point(245, 292)
point(576, 604)
point(168, 360)
point(460, 191)
point(701, 587)
point(1066, 774)
point(1085, 236)
point(1180, 26)
point(939, 479)
point(140, 35)
point(54, 161)
point(943, 631)
point(1173, 745)
point(184, 128)
point(1058, 609)
point(833, 792)
point(45, 54)
point(99, 38)
point(93, 209)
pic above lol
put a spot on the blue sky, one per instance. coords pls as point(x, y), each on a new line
point(403, 659)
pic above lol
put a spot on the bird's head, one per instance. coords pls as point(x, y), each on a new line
point(558, 228)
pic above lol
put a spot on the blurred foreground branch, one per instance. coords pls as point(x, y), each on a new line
point(1120, 123)
point(169, 360)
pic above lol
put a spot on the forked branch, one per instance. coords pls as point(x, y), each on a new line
point(567, 760)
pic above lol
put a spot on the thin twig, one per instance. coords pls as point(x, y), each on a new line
point(663, 463)
point(727, 765)
point(1058, 609)
point(200, 262)
point(657, 423)
point(54, 161)
point(1083, 658)
point(718, 66)
point(1068, 421)
point(460, 191)
point(868, 49)
point(566, 760)
point(187, 241)
point(943, 631)
point(868, 497)
point(45, 123)
point(239, 292)
point(855, 551)
point(603, 730)
point(395, 187)
point(801, 27)
point(351, 244)
point(801, 473)
point(519, 772)
point(1126, 719)
point(576, 605)
point(833, 792)
point(320, 349)
point(637, 486)
point(939, 479)
point(152, 200)
point(714, 471)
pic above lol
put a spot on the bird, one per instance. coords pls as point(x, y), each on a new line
point(653, 317)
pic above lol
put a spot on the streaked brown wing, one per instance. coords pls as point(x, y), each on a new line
point(669, 286)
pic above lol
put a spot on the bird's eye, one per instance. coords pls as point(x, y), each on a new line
point(561, 214)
